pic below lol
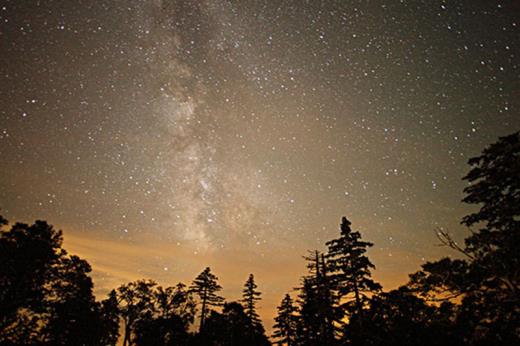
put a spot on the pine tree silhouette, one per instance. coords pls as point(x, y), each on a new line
point(250, 295)
point(285, 326)
point(351, 270)
point(317, 301)
point(205, 286)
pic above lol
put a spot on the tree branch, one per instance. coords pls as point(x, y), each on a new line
point(447, 240)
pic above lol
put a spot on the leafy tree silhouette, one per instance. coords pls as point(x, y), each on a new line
point(232, 327)
point(110, 319)
point(487, 278)
point(174, 311)
point(399, 318)
point(175, 301)
point(205, 286)
point(45, 295)
point(286, 320)
point(74, 316)
point(28, 255)
point(135, 301)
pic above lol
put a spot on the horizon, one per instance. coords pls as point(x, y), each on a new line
point(163, 137)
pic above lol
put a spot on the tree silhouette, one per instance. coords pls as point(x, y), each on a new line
point(495, 185)
point(399, 318)
point(205, 286)
point(308, 327)
point(161, 331)
point(231, 328)
point(110, 319)
point(285, 326)
point(74, 316)
point(45, 295)
point(250, 296)
point(317, 313)
point(488, 277)
point(351, 270)
point(168, 324)
point(28, 255)
point(317, 300)
point(176, 301)
point(135, 303)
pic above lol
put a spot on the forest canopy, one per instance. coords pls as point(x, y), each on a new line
point(46, 294)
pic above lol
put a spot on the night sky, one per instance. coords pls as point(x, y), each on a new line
point(166, 136)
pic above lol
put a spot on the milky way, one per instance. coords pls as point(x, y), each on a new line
point(192, 133)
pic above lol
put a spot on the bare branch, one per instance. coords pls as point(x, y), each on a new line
point(447, 240)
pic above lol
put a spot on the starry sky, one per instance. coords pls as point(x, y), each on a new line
point(166, 136)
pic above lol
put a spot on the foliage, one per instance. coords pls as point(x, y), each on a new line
point(232, 327)
point(488, 277)
point(46, 295)
point(286, 320)
point(317, 301)
point(250, 295)
point(173, 312)
point(399, 318)
point(351, 271)
point(205, 286)
point(135, 303)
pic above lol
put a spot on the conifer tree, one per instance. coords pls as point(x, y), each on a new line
point(205, 286)
point(250, 296)
point(328, 301)
point(285, 326)
point(317, 301)
point(351, 270)
point(308, 321)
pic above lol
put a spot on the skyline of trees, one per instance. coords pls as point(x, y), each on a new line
point(46, 295)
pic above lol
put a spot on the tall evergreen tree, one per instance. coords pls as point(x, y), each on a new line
point(285, 326)
point(317, 300)
point(351, 270)
point(250, 295)
point(308, 321)
point(205, 286)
